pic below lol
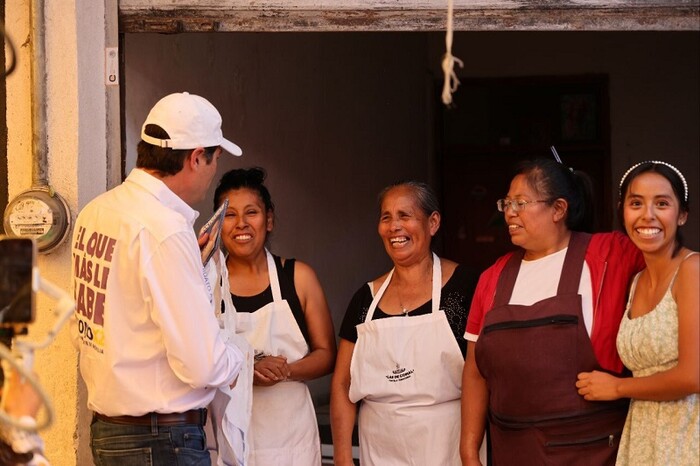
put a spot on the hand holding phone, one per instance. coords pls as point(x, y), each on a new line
point(210, 234)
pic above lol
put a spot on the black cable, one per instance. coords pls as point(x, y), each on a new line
point(13, 55)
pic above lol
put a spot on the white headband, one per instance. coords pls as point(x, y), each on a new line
point(678, 172)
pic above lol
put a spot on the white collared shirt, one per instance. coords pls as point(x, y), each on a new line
point(144, 321)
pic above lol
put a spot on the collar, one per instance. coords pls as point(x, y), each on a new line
point(161, 192)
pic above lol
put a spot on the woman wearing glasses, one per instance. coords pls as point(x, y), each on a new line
point(539, 316)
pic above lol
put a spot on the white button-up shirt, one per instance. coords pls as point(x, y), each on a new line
point(144, 321)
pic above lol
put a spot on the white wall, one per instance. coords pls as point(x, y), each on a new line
point(334, 117)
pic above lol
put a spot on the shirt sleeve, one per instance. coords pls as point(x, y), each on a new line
point(482, 300)
point(355, 313)
point(182, 306)
point(483, 297)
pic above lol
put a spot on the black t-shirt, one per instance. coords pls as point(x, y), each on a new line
point(455, 301)
point(286, 278)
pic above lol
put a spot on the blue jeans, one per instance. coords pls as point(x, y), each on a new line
point(138, 445)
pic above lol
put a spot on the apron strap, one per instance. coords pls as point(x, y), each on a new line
point(570, 275)
point(378, 296)
point(570, 278)
point(506, 281)
point(274, 280)
point(435, 294)
point(437, 283)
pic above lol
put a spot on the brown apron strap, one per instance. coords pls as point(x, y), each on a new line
point(506, 281)
point(570, 278)
point(570, 274)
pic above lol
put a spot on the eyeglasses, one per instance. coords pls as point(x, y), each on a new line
point(516, 204)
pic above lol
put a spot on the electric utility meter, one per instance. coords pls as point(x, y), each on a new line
point(41, 214)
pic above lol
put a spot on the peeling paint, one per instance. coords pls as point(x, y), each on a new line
point(534, 16)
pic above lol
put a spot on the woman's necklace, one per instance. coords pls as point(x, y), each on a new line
point(404, 309)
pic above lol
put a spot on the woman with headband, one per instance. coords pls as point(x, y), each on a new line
point(659, 337)
point(540, 316)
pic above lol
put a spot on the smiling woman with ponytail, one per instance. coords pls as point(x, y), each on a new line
point(541, 315)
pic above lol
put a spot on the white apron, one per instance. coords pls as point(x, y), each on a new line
point(230, 411)
point(408, 373)
point(283, 426)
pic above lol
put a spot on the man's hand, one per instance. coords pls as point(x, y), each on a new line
point(203, 240)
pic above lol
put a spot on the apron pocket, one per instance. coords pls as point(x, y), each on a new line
point(531, 366)
point(599, 450)
point(562, 319)
point(598, 440)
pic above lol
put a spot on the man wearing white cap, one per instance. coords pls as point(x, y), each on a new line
point(151, 352)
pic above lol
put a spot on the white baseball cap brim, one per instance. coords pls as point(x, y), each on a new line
point(191, 121)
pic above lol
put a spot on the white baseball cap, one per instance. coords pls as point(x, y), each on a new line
point(191, 121)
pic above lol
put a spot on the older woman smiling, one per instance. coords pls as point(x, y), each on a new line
point(401, 352)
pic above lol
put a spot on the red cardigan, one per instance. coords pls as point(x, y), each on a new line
point(613, 261)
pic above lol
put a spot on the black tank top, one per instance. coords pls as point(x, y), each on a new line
point(286, 278)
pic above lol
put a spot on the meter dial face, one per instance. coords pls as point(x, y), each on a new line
point(30, 218)
point(40, 214)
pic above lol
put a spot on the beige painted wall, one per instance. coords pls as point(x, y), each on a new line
point(75, 130)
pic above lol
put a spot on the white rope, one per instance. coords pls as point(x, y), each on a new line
point(448, 61)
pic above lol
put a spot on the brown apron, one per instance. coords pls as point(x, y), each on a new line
point(530, 356)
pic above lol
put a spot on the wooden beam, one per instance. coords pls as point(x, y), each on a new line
point(409, 5)
point(415, 15)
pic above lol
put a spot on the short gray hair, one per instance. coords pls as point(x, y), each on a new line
point(425, 197)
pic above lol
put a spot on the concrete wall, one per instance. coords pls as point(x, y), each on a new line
point(334, 117)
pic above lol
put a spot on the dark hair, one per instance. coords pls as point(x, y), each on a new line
point(677, 184)
point(164, 160)
point(249, 178)
point(553, 180)
point(427, 201)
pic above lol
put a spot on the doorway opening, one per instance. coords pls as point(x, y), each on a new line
point(498, 122)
